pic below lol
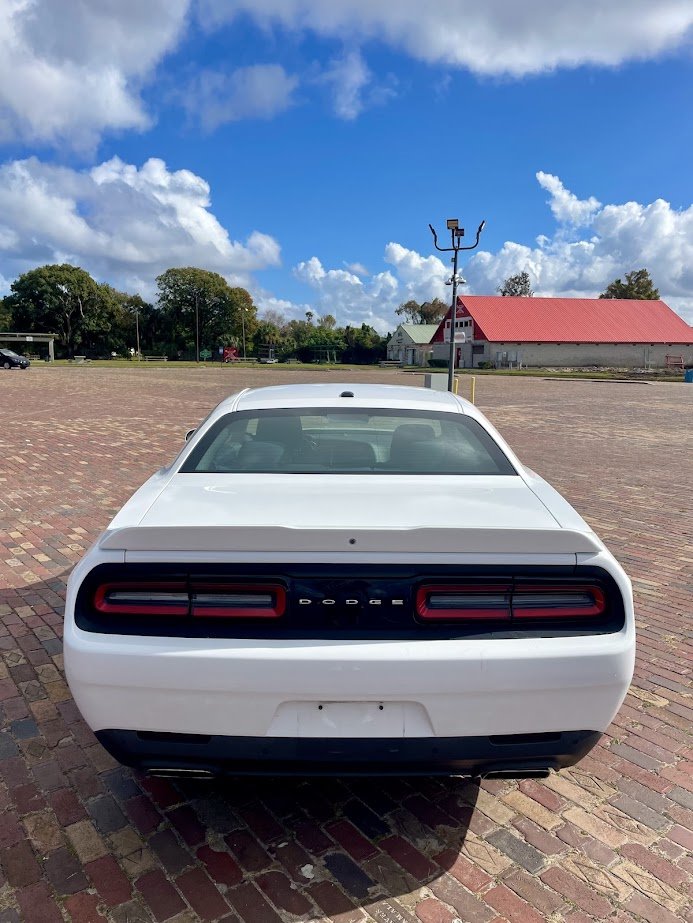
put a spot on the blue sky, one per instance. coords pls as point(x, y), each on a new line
point(301, 147)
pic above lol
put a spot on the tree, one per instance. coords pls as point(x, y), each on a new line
point(5, 314)
point(430, 312)
point(189, 297)
point(638, 285)
point(363, 345)
point(411, 311)
point(517, 285)
point(60, 299)
point(328, 322)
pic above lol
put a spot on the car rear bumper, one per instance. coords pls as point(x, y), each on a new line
point(294, 693)
point(196, 756)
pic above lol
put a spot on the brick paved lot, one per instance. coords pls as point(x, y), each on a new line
point(83, 839)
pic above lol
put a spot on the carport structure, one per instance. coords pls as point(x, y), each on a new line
point(31, 338)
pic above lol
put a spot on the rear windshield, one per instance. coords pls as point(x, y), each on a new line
point(347, 441)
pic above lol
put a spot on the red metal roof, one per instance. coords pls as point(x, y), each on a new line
point(571, 320)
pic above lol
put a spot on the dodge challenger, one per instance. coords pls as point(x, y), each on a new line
point(348, 579)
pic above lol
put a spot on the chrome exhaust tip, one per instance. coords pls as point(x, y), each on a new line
point(173, 772)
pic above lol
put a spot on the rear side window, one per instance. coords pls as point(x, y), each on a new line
point(347, 441)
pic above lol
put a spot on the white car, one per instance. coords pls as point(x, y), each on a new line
point(348, 579)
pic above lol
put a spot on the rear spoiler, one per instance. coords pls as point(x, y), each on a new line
point(267, 539)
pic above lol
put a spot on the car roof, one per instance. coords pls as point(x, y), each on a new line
point(333, 395)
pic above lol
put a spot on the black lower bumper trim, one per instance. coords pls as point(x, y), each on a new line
point(313, 756)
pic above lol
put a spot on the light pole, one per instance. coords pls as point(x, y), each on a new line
point(243, 310)
point(137, 330)
point(456, 234)
point(197, 328)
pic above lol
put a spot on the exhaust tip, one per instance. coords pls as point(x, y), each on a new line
point(515, 774)
point(174, 772)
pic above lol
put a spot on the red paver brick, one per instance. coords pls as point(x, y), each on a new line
point(20, 865)
point(279, 889)
point(37, 905)
point(250, 905)
point(160, 896)
point(467, 905)
point(250, 855)
point(66, 806)
point(333, 902)
point(408, 856)
point(188, 825)
point(261, 823)
point(432, 911)
point(351, 840)
point(82, 908)
point(471, 876)
point(143, 814)
point(220, 866)
point(575, 890)
point(202, 895)
point(511, 906)
point(109, 880)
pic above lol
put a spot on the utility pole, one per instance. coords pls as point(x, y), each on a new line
point(456, 234)
point(243, 310)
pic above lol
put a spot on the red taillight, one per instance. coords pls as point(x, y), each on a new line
point(203, 600)
point(240, 601)
point(463, 601)
point(474, 601)
point(142, 598)
point(552, 602)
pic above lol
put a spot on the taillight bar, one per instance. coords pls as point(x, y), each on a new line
point(503, 602)
point(460, 601)
point(550, 602)
point(138, 598)
point(239, 601)
point(201, 600)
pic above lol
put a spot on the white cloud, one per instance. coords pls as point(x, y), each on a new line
point(357, 268)
point(352, 89)
point(70, 69)
point(494, 37)
point(355, 301)
point(568, 262)
point(124, 224)
point(260, 91)
point(565, 205)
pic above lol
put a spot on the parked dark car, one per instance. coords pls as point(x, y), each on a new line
point(9, 359)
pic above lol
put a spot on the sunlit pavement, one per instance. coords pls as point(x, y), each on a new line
point(83, 839)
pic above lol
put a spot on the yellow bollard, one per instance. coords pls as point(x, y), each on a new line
point(473, 389)
point(456, 385)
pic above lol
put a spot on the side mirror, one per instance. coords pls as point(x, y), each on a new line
point(189, 434)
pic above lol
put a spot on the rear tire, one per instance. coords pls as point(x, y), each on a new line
point(6, 365)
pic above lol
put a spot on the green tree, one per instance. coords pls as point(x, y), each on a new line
point(638, 285)
point(517, 285)
point(410, 311)
point(364, 345)
point(5, 314)
point(432, 312)
point(429, 312)
point(191, 299)
point(60, 299)
point(328, 322)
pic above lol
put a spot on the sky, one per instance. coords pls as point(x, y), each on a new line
point(302, 147)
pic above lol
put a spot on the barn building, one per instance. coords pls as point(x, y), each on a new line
point(410, 344)
point(518, 332)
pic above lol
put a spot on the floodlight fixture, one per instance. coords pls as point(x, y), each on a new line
point(453, 224)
